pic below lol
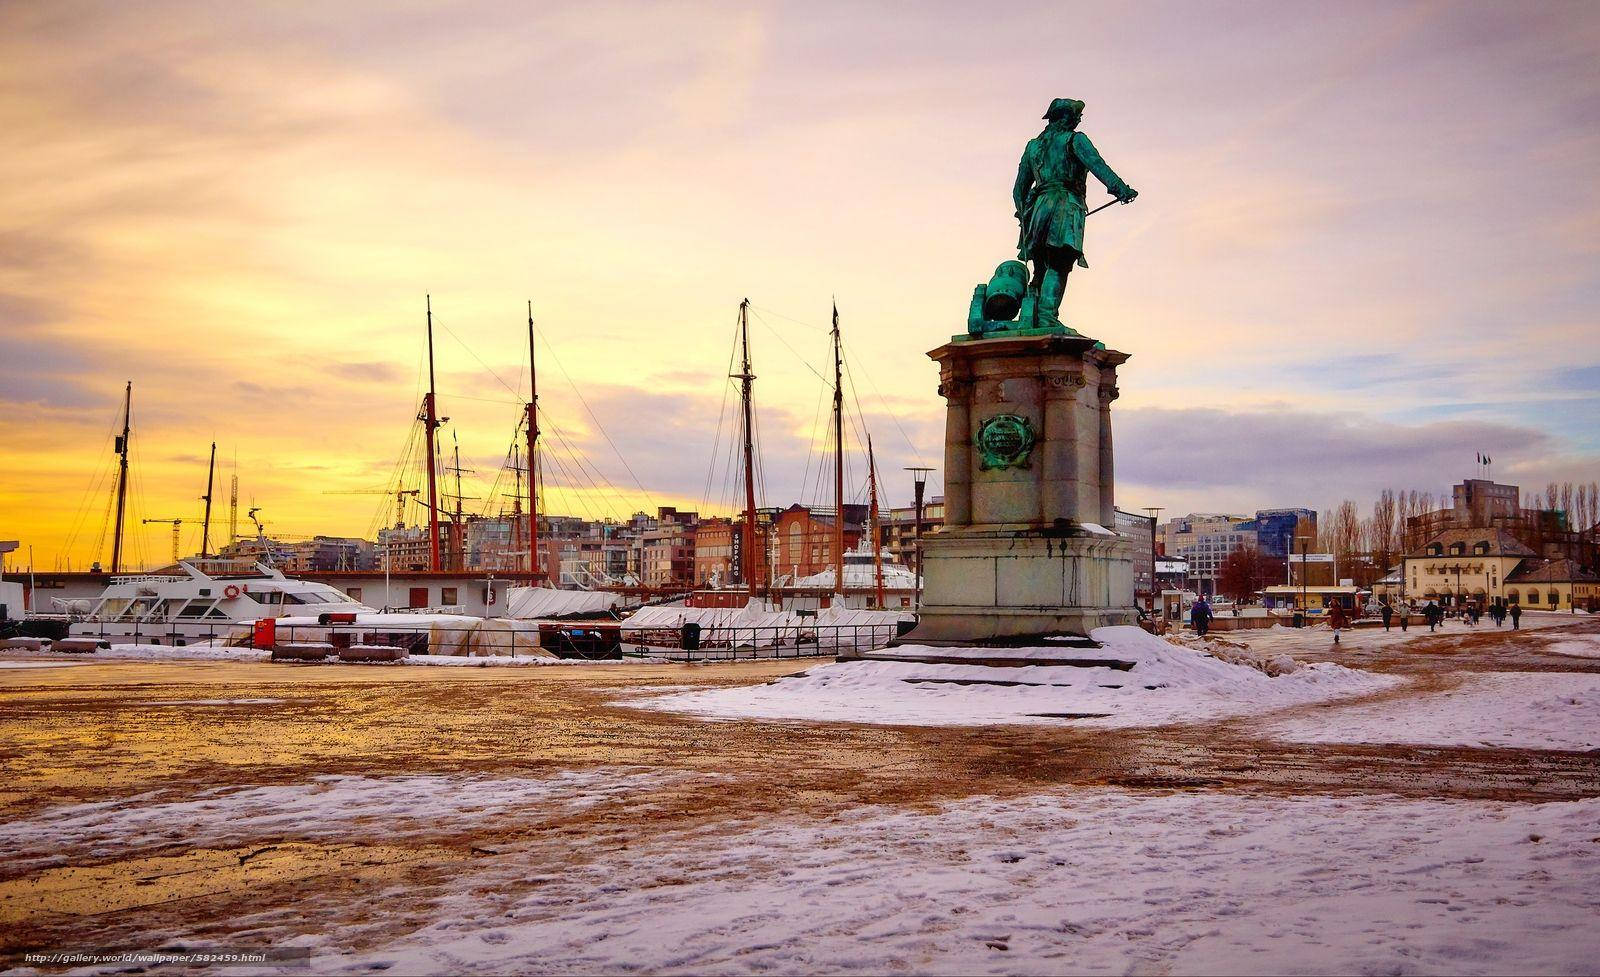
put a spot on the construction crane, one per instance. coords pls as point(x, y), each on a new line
point(399, 500)
point(176, 524)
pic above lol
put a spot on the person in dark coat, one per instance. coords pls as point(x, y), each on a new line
point(1497, 612)
point(1432, 613)
point(1387, 612)
point(1200, 617)
point(1516, 617)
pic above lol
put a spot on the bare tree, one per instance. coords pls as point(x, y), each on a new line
point(1345, 531)
point(1383, 528)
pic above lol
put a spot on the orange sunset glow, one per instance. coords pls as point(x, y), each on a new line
point(241, 210)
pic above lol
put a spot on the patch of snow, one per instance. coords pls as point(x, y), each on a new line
point(196, 651)
point(1577, 646)
point(40, 663)
point(1528, 710)
point(326, 807)
point(1097, 881)
point(1167, 684)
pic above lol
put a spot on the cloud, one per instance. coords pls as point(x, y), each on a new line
point(366, 372)
point(1289, 457)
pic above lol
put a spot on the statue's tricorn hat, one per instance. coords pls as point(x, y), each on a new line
point(1063, 107)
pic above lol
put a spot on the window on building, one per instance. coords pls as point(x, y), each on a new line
point(1555, 598)
point(417, 597)
point(354, 593)
point(447, 595)
point(1533, 597)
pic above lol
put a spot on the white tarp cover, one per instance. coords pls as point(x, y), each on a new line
point(755, 625)
point(448, 634)
point(526, 603)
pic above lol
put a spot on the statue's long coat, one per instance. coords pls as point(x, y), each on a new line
point(1051, 182)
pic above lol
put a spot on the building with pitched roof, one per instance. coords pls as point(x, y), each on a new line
point(1490, 565)
point(1553, 585)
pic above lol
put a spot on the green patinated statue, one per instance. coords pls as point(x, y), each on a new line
point(1049, 196)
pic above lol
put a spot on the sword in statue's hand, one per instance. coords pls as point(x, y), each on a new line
point(1126, 199)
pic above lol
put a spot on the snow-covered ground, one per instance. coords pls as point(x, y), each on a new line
point(1098, 881)
point(1577, 646)
point(326, 808)
point(1319, 638)
point(1167, 684)
point(1530, 710)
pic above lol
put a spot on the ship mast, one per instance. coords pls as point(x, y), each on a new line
point(458, 538)
point(533, 443)
point(122, 478)
point(877, 550)
point(205, 527)
point(430, 420)
point(746, 381)
point(838, 462)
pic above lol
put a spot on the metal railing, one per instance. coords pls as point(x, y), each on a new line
point(599, 640)
point(746, 643)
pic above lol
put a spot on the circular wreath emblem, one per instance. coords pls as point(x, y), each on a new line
point(1005, 441)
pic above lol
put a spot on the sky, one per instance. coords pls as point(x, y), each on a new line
point(1365, 246)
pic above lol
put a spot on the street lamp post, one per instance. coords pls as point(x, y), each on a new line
point(1153, 511)
point(1305, 543)
point(919, 476)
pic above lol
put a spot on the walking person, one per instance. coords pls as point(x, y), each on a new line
point(1200, 617)
point(1516, 617)
point(1432, 613)
point(1387, 613)
point(1337, 618)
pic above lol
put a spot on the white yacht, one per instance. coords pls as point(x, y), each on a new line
point(199, 599)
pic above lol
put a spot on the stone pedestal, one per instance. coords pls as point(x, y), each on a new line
point(1028, 547)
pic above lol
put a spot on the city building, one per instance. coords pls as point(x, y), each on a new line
point(667, 549)
point(1204, 542)
point(804, 538)
point(1554, 585)
point(719, 550)
point(1276, 529)
point(1458, 565)
point(897, 528)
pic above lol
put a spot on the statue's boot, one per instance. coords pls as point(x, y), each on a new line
point(1051, 291)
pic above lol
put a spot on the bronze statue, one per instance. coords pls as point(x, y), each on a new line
point(1049, 197)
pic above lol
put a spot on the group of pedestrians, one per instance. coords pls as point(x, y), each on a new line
point(1201, 615)
point(1433, 614)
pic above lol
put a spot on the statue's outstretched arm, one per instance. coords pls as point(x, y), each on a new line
point(1090, 157)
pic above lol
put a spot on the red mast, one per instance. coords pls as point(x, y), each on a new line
point(838, 462)
point(877, 550)
point(533, 441)
point(430, 419)
point(746, 380)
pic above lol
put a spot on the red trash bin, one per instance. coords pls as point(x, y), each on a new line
point(265, 633)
